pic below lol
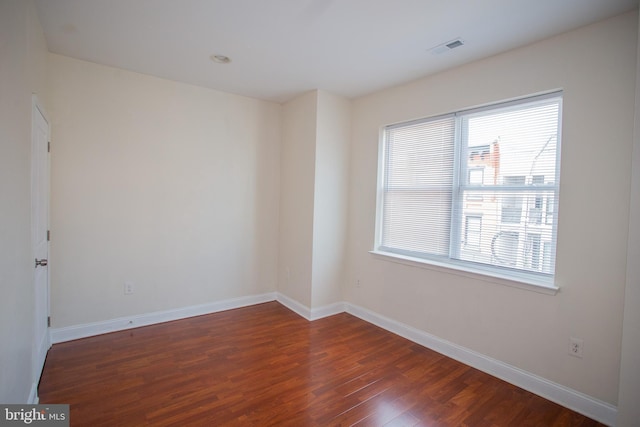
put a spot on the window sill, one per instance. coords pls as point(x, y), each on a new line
point(528, 284)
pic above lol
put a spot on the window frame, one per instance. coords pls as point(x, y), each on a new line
point(538, 281)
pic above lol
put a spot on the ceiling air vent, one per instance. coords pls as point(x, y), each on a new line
point(454, 44)
point(447, 46)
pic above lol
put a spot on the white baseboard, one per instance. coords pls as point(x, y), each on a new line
point(311, 313)
point(293, 305)
point(328, 310)
point(572, 399)
point(96, 328)
point(75, 332)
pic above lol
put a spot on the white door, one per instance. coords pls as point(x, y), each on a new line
point(39, 232)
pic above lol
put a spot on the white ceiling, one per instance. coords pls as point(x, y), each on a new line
point(280, 48)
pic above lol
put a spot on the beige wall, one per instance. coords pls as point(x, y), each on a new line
point(297, 173)
point(313, 205)
point(331, 198)
point(595, 66)
point(172, 187)
point(22, 72)
point(628, 408)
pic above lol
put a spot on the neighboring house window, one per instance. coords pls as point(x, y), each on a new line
point(472, 231)
point(533, 251)
point(476, 177)
point(549, 214)
point(471, 188)
point(512, 202)
point(535, 208)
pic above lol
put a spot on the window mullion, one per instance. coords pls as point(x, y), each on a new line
point(459, 171)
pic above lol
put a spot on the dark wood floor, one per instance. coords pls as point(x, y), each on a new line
point(266, 366)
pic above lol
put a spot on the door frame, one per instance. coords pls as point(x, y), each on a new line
point(40, 348)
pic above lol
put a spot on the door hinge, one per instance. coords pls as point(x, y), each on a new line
point(48, 146)
point(48, 235)
point(48, 321)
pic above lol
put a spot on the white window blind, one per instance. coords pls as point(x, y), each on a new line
point(418, 186)
point(497, 167)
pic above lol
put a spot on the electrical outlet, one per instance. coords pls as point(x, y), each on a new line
point(575, 347)
point(358, 283)
point(128, 288)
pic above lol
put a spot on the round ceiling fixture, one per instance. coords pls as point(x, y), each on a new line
point(220, 59)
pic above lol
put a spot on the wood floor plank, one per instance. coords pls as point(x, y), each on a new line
point(265, 366)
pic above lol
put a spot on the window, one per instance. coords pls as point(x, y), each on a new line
point(512, 202)
point(472, 230)
point(476, 176)
point(548, 219)
point(535, 210)
point(476, 189)
point(532, 251)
